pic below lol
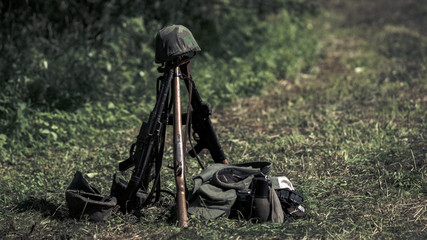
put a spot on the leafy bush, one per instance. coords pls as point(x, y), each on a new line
point(61, 61)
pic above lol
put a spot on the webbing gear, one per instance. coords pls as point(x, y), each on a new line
point(83, 198)
point(291, 202)
point(118, 187)
point(186, 72)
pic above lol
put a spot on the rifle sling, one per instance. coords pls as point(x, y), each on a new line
point(187, 78)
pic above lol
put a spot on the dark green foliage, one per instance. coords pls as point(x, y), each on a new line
point(57, 56)
point(223, 28)
point(54, 54)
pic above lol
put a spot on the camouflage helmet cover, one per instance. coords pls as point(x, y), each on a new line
point(173, 41)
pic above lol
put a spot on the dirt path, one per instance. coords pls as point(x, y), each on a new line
point(350, 132)
point(374, 15)
point(371, 16)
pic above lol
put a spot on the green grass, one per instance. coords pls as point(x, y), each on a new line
point(348, 131)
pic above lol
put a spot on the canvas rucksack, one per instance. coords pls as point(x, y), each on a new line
point(245, 191)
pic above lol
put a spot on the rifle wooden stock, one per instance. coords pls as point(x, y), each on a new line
point(179, 152)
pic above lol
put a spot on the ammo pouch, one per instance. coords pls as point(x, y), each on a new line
point(82, 198)
point(291, 202)
point(266, 203)
point(254, 203)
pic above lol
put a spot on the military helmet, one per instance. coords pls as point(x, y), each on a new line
point(174, 41)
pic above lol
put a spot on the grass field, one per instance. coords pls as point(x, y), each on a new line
point(350, 133)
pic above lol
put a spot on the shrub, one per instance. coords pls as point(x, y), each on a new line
point(59, 59)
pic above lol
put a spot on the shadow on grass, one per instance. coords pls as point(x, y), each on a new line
point(19, 228)
point(46, 208)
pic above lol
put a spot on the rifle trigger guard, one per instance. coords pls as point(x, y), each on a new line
point(196, 137)
point(132, 150)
